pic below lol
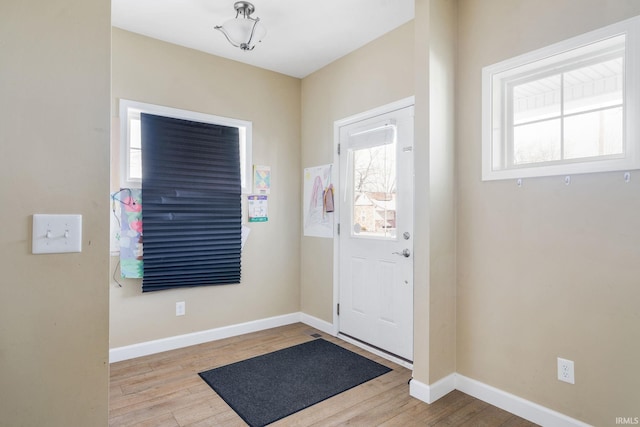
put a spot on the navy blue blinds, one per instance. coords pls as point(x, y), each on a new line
point(192, 215)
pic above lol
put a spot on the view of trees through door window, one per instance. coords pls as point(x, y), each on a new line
point(374, 190)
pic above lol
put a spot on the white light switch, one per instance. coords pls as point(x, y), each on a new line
point(56, 234)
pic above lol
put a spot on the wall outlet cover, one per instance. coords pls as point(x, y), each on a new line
point(565, 370)
point(180, 308)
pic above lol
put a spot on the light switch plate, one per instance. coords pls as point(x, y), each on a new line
point(56, 234)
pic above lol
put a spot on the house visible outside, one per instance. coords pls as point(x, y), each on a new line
point(374, 188)
point(375, 213)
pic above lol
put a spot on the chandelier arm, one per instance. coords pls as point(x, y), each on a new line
point(222, 30)
point(253, 30)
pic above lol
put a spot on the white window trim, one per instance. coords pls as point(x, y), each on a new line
point(631, 160)
point(127, 105)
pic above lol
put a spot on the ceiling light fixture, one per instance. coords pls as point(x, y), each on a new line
point(243, 31)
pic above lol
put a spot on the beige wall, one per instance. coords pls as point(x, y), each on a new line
point(421, 227)
point(545, 270)
point(54, 158)
point(434, 246)
point(393, 67)
point(155, 72)
point(377, 74)
point(441, 194)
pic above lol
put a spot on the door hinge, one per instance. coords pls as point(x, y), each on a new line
point(338, 229)
point(338, 309)
point(338, 149)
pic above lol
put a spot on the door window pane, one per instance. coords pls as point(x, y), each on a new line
point(374, 191)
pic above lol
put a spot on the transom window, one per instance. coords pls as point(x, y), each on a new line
point(565, 108)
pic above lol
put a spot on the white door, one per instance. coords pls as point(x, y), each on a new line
point(376, 231)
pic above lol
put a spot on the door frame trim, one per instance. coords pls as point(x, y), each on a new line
point(387, 108)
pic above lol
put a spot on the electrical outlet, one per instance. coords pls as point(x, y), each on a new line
point(180, 308)
point(565, 370)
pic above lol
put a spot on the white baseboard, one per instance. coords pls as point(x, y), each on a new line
point(433, 392)
point(319, 324)
point(516, 405)
point(171, 343)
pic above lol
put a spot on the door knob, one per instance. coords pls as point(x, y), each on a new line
point(405, 253)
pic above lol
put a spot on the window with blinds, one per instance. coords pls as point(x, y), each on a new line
point(191, 187)
point(130, 139)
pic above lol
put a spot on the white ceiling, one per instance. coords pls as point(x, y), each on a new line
point(302, 35)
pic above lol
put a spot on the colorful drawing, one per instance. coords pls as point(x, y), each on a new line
point(258, 208)
point(131, 264)
point(262, 179)
point(318, 202)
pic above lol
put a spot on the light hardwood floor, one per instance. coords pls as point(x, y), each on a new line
point(165, 390)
